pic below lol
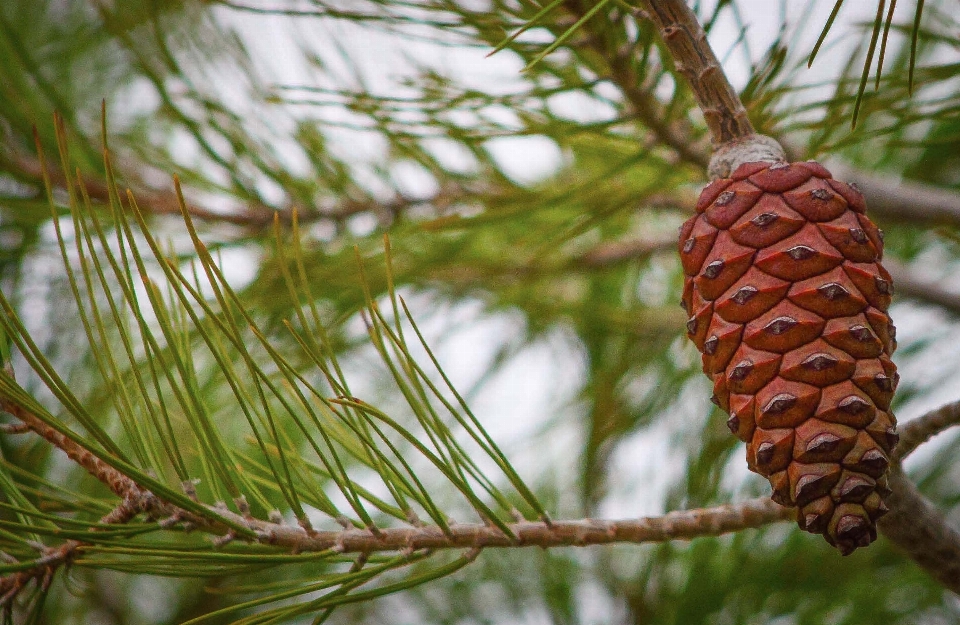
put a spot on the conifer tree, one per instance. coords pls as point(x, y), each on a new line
point(245, 268)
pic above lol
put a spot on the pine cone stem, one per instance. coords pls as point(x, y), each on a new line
point(685, 38)
point(735, 141)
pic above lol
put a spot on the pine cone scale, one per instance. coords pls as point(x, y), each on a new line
point(787, 301)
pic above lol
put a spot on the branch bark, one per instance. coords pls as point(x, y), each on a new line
point(916, 526)
point(679, 525)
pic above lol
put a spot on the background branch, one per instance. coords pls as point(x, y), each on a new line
point(905, 201)
point(253, 217)
point(923, 428)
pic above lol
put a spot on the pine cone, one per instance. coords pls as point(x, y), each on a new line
point(787, 302)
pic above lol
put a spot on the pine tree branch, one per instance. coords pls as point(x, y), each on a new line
point(913, 523)
point(134, 500)
point(678, 525)
point(922, 429)
point(121, 485)
point(916, 526)
point(685, 524)
point(53, 558)
point(154, 201)
point(643, 103)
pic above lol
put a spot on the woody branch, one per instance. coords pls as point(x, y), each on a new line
point(917, 538)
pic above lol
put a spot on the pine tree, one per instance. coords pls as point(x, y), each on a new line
point(231, 305)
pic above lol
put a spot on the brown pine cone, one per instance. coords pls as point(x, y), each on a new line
point(788, 304)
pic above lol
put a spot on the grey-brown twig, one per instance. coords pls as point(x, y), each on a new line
point(616, 252)
point(53, 558)
point(909, 283)
point(922, 429)
point(254, 216)
point(920, 287)
point(904, 200)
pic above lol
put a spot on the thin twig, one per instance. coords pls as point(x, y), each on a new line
point(120, 484)
point(55, 557)
point(909, 283)
point(254, 216)
point(904, 201)
point(918, 286)
point(615, 252)
point(920, 430)
point(131, 493)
